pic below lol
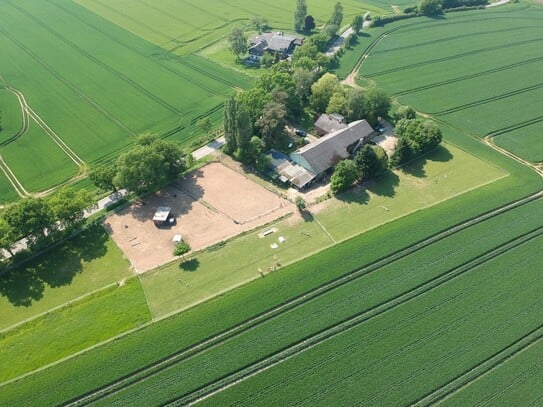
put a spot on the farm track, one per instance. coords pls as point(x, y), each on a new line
point(452, 57)
point(98, 62)
point(482, 369)
point(337, 329)
point(212, 342)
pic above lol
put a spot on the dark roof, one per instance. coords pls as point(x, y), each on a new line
point(327, 151)
point(274, 41)
point(330, 122)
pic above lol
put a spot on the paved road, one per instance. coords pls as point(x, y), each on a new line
point(210, 148)
point(336, 45)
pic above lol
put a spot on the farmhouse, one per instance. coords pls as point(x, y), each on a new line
point(328, 123)
point(277, 43)
point(288, 171)
point(324, 153)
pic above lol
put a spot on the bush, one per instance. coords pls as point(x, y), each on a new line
point(181, 248)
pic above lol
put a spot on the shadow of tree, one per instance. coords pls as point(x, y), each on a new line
point(357, 194)
point(440, 154)
point(56, 268)
point(416, 167)
point(190, 265)
point(384, 185)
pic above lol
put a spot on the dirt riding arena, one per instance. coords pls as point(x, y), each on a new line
point(212, 204)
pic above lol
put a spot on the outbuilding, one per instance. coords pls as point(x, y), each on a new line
point(161, 216)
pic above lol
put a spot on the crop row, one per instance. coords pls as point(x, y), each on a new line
point(300, 309)
point(415, 347)
point(176, 333)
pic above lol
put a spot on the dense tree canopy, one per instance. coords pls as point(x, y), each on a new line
point(272, 123)
point(430, 7)
point(68, 207)
point(150, 165)
point(8, 236)
point(358, 22)
point(31, 218)
point(102, 176)
point(377, 104)
point(415, 137)
point(337, 15)
point(322, 91)
point(309, 23)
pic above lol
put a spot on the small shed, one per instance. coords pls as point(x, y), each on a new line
point(161, 216)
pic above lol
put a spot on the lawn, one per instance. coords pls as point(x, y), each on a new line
point(73, 328)
point(475, 70)
point(97, 86)
point(87, 263)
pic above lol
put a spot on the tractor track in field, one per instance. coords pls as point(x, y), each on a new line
point(213, 341)
point(98, 62)
point(480, 370)
point(338, 329)
point(66, 82)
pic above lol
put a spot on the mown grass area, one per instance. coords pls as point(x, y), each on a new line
point(73, 328)
point(515, 382)
point(414, 348)
point(97, 86)
point(425, 182)
point(475, 70)
point(421, 183)
point(88, 262)
point(189, 26)
point(179, 331)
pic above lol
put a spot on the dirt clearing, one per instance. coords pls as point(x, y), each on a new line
point(212, 204)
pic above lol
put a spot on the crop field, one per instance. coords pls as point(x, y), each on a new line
point(476, 70)
point(458, 263)
point(188, 26)
point(89, 87)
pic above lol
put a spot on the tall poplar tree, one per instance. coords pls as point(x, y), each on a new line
point(300, 14)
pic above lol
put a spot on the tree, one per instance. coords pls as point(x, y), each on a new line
point(300, 203)
point(268, 59)
point(205, 124)
point(181, 248)
point(430, 7)
point(355, 105)
point(338, 102)
point(377, 104)
point(238, 42)
point(272, 123)
point(244, 131)
point(345, 174)
point(299, 15)
point(337, 15)
point(31, 218)
point(68, 207)
point(331, 29)
point(260, 23)
point(309, 23)
point(303, 80)
point(102, 176)
point(148, 167)
point(8, 237)
point(405, 112)
point(431, 134)
point(358, 22)
point(322, 91)
point(366, 162)
point(229, 124)
point(401, 154)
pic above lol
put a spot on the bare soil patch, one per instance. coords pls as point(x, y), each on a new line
point(212, 204)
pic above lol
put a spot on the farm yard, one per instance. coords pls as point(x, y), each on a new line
point(210, 205)
point(419, 287)
point(89, 87)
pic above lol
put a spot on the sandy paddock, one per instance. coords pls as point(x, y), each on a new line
point(213, 204)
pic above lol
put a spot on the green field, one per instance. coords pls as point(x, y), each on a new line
point(484, 78)
point(97, 86)
point(188, 26)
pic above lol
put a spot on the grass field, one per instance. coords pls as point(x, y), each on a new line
point(425, 182)
point(189, 26)
point(96, 85)
point(7, 193)
point(452, 79)
point(373, 286)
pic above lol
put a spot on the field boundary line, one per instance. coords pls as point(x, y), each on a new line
point(58, 307)
point(325, 230)
point(287, 306)
point(337, 329)
point(482, 369)
point(13, 180)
